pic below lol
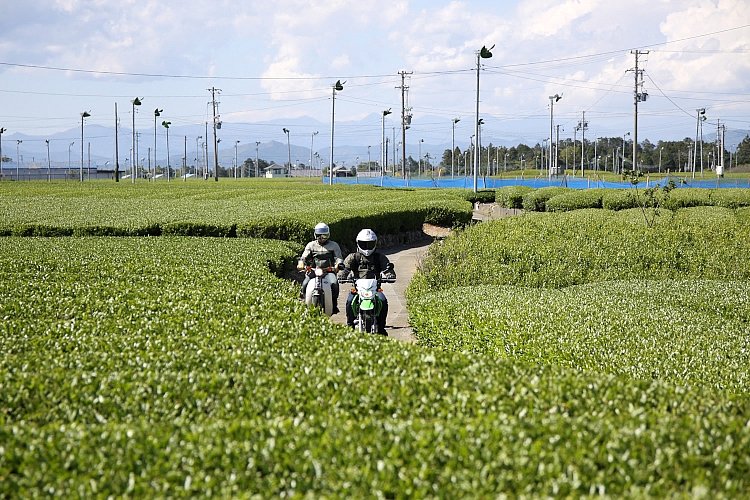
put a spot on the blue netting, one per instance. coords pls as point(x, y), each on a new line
point(535, 182)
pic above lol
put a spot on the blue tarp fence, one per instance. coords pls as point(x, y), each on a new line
point(535, 182)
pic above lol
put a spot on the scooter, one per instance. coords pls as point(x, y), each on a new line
point(318, 292)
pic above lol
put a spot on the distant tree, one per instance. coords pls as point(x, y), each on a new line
point(743, 151)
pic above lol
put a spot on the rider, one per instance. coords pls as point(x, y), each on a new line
point(322, 247)
point(367, 263)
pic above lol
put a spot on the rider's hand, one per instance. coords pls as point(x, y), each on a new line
point(300, 265)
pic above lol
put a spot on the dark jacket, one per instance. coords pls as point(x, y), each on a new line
point(366, 267)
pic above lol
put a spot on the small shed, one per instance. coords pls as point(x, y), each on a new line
point(274, 170)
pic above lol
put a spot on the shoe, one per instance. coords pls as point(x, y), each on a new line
point(350, 325)
point(383, 331)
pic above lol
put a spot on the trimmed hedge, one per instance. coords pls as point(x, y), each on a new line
point(576, 200)
point(512, 196)
point(536, 201)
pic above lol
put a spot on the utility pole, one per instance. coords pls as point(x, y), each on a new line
point(637, 97)
point(217, 124)
point(405, 118)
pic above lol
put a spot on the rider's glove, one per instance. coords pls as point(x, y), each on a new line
point(300, 265)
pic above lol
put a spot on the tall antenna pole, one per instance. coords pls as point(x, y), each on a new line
point(216, 143)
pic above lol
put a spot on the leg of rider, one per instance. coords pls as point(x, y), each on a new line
point(349, 310)
point(304, 286)
point(335, 296)
point(383, 312)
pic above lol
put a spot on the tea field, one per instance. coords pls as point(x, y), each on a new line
point(571, 354)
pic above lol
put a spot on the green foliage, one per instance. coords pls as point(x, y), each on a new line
point(512, 196)
point(572, 248)
point(536, 200)
point(149, 367)
point(248, 208)
point(576, 200)
point(620, 199)
point(688, 332)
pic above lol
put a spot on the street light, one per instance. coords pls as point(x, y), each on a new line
point(419, 165)
point(289, 148)
point(236, 163)
point(84, 115)
point(552, 100)
point(384, 156)
point(18, 158)
point(622, 163)
point(369, 164)
point(136, 102)
point(1, 150)
point(157, 113)
point(70, 146)
point(48, 160)
point(257, 143)
point(484, 53)
point(312, 142)
point(336, 86)
point(166, 125)
point(701, 117)
point(453, 144)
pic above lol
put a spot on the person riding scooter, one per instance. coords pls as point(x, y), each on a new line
point(366, 262)
point(322, 248)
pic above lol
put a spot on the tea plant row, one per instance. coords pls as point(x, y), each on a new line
point(181, 366)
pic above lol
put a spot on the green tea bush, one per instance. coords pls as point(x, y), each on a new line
point(536, 200)
point(176, 367)
point(247, 208)
point(689, 332)
point(576, 200)
point(622, 199)
point(512, 196)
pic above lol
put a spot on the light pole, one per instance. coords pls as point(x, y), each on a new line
point(552, 100)
point(18, 158)
point(236, 164)
point(622, 164)
point(1, 150)
point(384, 156)
point(419, 165)
point(166, 125)
point(660, 150)
point(289, 149)
point(84, 115)
point(701, 116)
point(48, 160)
point(257, 143)
point(312, 142)
point(157, 113)
point(369, 164)
point(505, 164)
point(70, 146)
point(453, 144)
point(136, 102)
point(198, 153)
point(336, 86)
point(484, 53)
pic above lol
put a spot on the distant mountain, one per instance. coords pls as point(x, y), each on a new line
point(352, 141)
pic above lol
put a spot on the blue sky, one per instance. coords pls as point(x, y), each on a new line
point(277, 61)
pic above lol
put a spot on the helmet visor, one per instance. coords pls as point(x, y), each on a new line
point(367, 245)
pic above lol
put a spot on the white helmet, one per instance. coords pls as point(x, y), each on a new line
point(322, 232)
point(366, 242)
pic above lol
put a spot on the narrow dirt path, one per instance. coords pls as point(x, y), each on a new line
point(405, 260)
